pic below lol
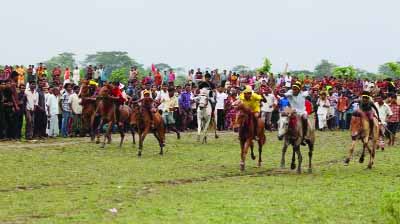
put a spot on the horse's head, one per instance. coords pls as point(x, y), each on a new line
point(283, 123)
point(105, 91)
point(203, 101)
point(241, 116)
point(356, 125)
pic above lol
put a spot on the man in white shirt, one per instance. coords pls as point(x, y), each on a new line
point(267, 108)
point(76, 76)
point(52, 113)
point(162, 96)
point(288, 80)
point(32, 100)
point(220, 97)
point(297, 101)
point(76, 109)
point(383, 109)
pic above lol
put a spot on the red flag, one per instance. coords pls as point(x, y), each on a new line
point(153, 68)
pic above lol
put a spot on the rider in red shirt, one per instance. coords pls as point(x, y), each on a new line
point(119, 100)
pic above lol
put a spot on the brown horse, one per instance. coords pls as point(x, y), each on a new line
point(107, 111)
point(359, 126)
point(245, 122)
point(290, 128)
point(142, 119)
point(88, 109)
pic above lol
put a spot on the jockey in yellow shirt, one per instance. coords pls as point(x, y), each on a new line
point(251, 100)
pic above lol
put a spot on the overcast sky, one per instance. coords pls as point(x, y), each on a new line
point(200, 33)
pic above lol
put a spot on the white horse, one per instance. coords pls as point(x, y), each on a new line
point(204, 111)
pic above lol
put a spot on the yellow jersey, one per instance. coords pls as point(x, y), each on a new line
point(253, 103)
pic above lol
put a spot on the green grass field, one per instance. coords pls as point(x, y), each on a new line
point(74, 181)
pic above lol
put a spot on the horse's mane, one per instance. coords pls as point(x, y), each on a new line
point(247, 131)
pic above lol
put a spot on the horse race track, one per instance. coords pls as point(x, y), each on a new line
point(74, 181)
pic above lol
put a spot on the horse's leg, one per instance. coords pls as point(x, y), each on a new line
point(242, 156)
point(159, 141)
point(215, 121)
point(244, 153)
point(98, 130)
point(284, 149)
point(142, 137)
point(253, 157)
point(310, 154)
point(293, 164)
point(133, 134)
point(121, 128)
point(199, 124)
point(206, 125)
point(260, 145)
point(351, 152)
point(363, 151)
point(371, 151)
point(106, 135)
point(300, 158)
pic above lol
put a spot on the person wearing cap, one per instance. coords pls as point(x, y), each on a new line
point(116, 95)
point(366, 105)
point(297, 101)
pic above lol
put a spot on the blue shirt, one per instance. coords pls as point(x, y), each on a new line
point(184, 100)
point(283, 103)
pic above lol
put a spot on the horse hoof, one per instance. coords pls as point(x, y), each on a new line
point(309, 170)
point(178, 136)
point(161, 153)
point(97, 142)
point(346, 161)
point(369, 166)
point(216, 136)
point(292, 166)
point(361, 160)
point(102, 146)
point(253, 157)
point(241, 167)
point(282, 166)
point(139, 154)
point(259, 165)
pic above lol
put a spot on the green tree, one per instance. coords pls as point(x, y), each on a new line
point(241, 69)
point(390, 69)
point(112, 60)
point(348, 72)
point(64, 60)
point(119, 75)
point(324, 68)
point(266, 67)
point(162, 67)
point(301, 72)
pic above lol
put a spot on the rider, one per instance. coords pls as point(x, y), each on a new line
point(297, 100)
point(366, 105)
point(148, 104)
point(119, 100)
point(252, 100)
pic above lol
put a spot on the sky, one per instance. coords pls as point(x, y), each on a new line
point(205, 33)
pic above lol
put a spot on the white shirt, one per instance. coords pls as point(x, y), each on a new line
point(162, 97)
point(32, 99)
point(52, 104)
point(297, 102)
point(269, 105)
point(384, 112)
point(220, 97)
point(75, 75)
point(75, 101)
point(288, 81)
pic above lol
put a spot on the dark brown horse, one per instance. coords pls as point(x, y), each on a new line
point(88, 109)
point(142, 118)
point(359, 126)
point(291, 130)
point(106, 108)
point(245, 122)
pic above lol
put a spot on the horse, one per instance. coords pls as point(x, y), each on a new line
point(245, 122)
point(142, 119)
point(107, 111)
point(88, 109)
point(204, 111)
point(290, 129)
point(359, 128)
